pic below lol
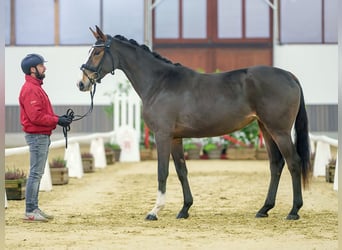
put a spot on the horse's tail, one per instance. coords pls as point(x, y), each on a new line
point(302, 139)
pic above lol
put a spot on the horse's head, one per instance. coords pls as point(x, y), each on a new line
point(99, 62)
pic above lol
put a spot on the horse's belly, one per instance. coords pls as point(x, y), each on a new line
point(193, 130)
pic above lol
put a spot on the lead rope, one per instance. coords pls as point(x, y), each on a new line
point(70, 113)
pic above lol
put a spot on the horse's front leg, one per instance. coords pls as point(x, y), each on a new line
point(182, 172)
point(163, 150)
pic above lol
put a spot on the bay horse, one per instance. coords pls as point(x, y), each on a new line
point(181, 103)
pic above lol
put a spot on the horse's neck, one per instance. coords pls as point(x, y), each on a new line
point(139, 66)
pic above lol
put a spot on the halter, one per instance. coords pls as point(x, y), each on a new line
point(70, 113)
point(97, 70)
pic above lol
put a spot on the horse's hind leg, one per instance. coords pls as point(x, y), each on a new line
point(286, 147)
point(276, 167)
point(182, 172)
point(293, 161)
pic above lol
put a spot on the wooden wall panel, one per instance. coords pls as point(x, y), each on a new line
point(234, 58)
point(223, 59)
point(193, 58)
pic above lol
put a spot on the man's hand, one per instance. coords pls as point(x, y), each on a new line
point(64, 120)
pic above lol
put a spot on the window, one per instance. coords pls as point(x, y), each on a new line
point(74, 29)
point(175, 19)
point(208, 21)
point(229, 18)
point(7, 22)
point(65, 22)
point(167, 19)
point(118, 20)
point(34, 22)
point(257, 19)
point(317, 25)
point(194, 22)
point(330, 21)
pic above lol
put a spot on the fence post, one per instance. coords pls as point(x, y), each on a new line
point(72, 155)
point(98, 151)
point(46, 182)
point(322, 157)
point(127, 139)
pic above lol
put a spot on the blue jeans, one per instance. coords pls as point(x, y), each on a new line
point(39, 149)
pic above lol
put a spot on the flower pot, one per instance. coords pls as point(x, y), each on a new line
point(145, 154)
point(15, 189)
point(329, 173)
point(88, 164)
point(193, 154)
point(154, 154)
point(117, 153)
point(215, 153)
point(110, 157)
point(241, 153)
point(59, 176)
point(261, 154)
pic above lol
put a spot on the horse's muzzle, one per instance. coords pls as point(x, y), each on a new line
point(81, 86)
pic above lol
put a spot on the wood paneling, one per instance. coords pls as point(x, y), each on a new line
point(190, 57)
point(223, 59)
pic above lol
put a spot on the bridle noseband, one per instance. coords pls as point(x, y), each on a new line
point(98, 70)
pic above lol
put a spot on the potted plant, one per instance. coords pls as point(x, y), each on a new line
point(212, 148)
point(88, 162)
point(15, 184)
point(109, 154)
point(330, 170)
point(191, 148)
point(115, 149)
point(59, 172)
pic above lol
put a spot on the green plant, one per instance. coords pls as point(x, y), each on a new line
point(210, 144)
point(111, 146)
point(248, 135)
point(58, 163)
point(189, 144)
point(15, 174)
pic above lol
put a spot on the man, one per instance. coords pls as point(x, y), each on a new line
point(38, 120)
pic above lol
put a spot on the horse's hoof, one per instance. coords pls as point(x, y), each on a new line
point(182, 216)
point(292, 217)
point(261, 215)
point(151, 217)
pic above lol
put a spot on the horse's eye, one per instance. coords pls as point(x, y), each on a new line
point(96, 53)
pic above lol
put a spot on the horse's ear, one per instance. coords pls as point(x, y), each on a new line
point(100, 33)
point(94, 33)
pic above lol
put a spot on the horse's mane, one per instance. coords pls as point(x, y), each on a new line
point(146, 48)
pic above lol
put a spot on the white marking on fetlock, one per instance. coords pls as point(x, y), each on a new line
point(160, 203)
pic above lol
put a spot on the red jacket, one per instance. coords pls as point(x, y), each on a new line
point(36, 113)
